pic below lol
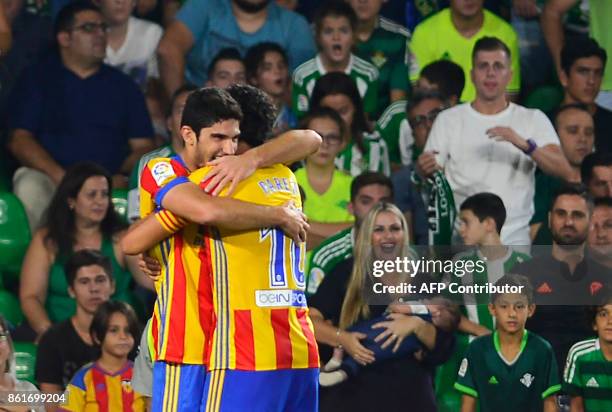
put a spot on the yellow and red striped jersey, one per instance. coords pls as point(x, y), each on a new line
point(261, 316)
point(183, 310)
point(93, 389)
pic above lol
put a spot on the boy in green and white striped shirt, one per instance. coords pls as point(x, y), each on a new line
point(334, 28)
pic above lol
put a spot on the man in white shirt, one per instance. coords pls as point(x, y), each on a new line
point(493, 145)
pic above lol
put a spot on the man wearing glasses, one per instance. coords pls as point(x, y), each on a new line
point(72, 107)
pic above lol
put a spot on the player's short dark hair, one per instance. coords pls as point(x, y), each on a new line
point(256, 54)
point(341, 83)
point(86, 257)
point(603, 298)
point(324, 113)
point(591, 161)
point(489, 43)
point(334, 8)
point(419, 96)
point(258, 113)
point(207, 106)
point(570, 106)
point(447, 75)
point(513, 279)
point(101, 321)
point(185, 88)
point(484, 205)
point(573, 189)
point(367, 179)
point(580, 47)
point(229, 53)
point(67, 15)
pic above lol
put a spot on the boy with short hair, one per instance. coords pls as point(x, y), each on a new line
point(226, 68)
point(511, 369)
point(588, 370)
point(335, 24)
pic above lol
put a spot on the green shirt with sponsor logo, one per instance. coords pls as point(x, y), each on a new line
point(327, 255)
point(362, 72)
point(388, 49)
point(504, 385)
point(375, 158)
point(331, 206)
point(588, 374)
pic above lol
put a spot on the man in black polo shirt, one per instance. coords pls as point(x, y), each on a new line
point(564, 278)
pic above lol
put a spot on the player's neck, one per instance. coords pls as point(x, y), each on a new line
point(490, 107)
point(331, 66)
point(467, 26)
point(77, 66)
point(510, 340)
point(365, 28)
point(249, 22)
point(110, 363)
point(6, 381)
point(606, 349)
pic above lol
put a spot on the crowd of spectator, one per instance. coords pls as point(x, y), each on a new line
point(485, 124)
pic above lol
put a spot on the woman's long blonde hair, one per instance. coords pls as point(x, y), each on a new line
point(354, 304)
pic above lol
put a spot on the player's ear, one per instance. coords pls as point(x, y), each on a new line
point(71, 292)
point(350, 208)
point(188, 135)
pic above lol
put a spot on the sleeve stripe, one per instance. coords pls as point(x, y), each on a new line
point(465, 389)
point(159, 196)
point(162, 219)
point(550, 391)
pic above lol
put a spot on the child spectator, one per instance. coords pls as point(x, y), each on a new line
point(482, 217)
point(327, 189)
point(106, 383)
point(226, 68)
point(67, 346)
point(587, 377)
point(334, 30)
point(511, 369)
point(365, 149)
point(267, 67)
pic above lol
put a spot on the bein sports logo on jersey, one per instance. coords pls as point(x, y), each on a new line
point(280, 298)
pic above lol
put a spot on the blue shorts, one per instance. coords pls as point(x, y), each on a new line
point(178, 387)
point(285, 390)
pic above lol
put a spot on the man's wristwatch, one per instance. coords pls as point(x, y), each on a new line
point(532, 146)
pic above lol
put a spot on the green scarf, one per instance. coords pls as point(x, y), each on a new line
point(441, 209)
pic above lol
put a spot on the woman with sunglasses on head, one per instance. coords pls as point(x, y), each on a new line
point(327, 189)
point(9, 384)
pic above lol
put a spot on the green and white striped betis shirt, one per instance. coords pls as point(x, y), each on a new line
point(375, 158)
point(395, 130)
point(588, 374)
point(475, 307)
point(327, 255)
point(305, 76)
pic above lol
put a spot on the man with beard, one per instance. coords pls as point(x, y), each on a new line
point(565, 278)
point(203, 27)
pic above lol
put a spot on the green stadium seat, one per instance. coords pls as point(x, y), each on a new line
point(10, 308)
point(14, 233)
point(120, 203)
point(545, 98)
point(25, 360)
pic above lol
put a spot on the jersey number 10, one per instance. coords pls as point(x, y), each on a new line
point(278, 254)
